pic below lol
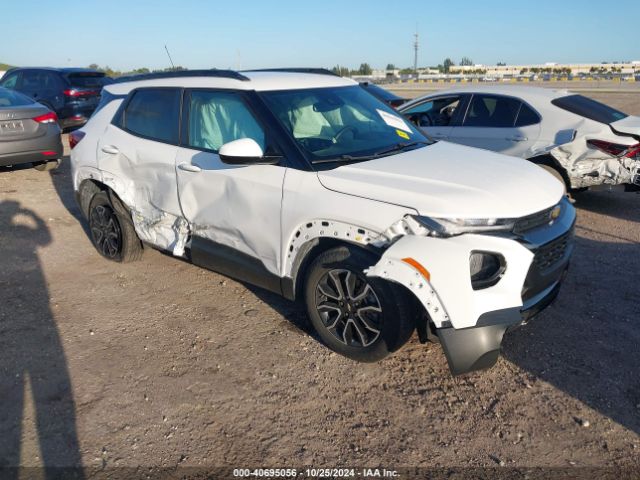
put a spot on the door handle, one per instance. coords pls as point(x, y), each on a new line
point(110, 149)
point(439, 135)
point(517, 138)
point(188, 167)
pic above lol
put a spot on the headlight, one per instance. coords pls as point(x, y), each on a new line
point(448, 227)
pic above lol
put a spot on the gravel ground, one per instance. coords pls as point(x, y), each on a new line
point(162, 364)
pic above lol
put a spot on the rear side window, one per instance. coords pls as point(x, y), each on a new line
point(154, 113)
point(87, 80)
point(527, 116)
point(37, 80)
point(9, 98)
point(492, 111)
point(588, 108)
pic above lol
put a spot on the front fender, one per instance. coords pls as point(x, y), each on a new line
point(447, 294)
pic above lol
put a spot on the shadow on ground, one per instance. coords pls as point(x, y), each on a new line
point(622, 205)
point(31, 357)
point(587, 343)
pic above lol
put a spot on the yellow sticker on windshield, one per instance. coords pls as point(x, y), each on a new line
point(402, 134)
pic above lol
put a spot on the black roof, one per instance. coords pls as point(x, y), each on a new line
point(184, 73)
point(65, 70)
point(318, 71)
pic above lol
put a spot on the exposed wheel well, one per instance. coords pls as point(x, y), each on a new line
point(550, 161)
point(89, 188)
point(308, 253)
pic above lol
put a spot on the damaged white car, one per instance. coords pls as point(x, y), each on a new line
point(582, 142)
point(306, 185)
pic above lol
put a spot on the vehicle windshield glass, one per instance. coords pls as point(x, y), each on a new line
point(333, 123)
point(9, 98)
point(591, 109)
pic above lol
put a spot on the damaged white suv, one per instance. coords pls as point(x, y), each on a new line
point(306, 185)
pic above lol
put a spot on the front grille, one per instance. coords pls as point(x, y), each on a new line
point(532, 221)
point(551, 253)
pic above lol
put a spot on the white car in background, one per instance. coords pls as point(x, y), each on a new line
point(308, 186)
point(582, 142)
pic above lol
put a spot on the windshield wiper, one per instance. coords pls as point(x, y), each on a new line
point(401, 146)
point(355, 158)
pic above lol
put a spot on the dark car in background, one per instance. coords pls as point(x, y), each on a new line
point(72, 93)
point(380, 93)
point(29, 132)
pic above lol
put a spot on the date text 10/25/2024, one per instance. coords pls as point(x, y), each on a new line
point(315, 473)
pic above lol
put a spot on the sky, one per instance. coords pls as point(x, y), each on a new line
point(258, 34)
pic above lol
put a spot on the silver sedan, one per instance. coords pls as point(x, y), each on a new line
point(29, 132)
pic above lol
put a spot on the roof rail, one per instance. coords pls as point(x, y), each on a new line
point(318, 71)
point(183, 73)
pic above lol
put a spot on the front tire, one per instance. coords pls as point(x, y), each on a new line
point(363, 318)
point(112, 234)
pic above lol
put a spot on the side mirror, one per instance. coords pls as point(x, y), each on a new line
point(244, 151)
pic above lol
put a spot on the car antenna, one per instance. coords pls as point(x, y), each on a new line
point(173, 67)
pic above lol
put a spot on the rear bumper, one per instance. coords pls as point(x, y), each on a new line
point(41, 149)
point(76, 120)
point(73, 115)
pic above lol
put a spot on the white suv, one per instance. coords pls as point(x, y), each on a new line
point(306, 185)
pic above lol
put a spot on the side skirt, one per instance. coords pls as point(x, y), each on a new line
point(233, 263)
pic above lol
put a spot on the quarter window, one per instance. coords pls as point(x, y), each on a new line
point(10, 81)
point(492, 111)
point(216, 118)
point(526, 116)
point(154, 114)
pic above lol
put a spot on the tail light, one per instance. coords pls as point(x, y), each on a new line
point(75, 137)
point(616, 149)
point(49, 117)
point(72, 92)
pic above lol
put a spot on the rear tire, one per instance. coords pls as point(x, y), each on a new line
point(47, 166)
point(112, 234)
point(363, 318)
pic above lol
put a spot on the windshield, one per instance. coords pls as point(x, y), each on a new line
point(341, 123)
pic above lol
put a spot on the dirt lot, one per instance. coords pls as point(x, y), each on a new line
point(162, 364)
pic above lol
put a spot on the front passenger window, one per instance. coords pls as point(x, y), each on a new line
point(216, 118)
point(438, 112)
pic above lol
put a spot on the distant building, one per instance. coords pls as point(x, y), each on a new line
point(629, 68)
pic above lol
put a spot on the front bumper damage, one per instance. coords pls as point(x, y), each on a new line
point(471, 323)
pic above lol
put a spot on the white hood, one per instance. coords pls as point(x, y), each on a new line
point(451, 181)
point(629, 125)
